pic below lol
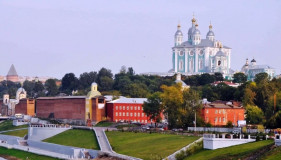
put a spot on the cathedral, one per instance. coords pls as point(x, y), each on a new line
point(198, 55)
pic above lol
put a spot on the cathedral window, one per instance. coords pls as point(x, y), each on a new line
point(181, 53)
point(191, 53)
point(219, 63)
point(181, 65)
point(200, 64)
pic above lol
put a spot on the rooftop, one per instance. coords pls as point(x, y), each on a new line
point(129, 100)
point(12, 71)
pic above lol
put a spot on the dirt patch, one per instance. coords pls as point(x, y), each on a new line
point(9, 157)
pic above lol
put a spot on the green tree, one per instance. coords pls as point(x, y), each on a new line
point(254, 115)
point(218, 76)
point(239, 77)
point(153, 107)
point(86, 79)
point(206, 79)
point(105, 79)
point(51, 87)
point(172, 100)
point(69, 83)
point(260, 77)
point(249, 97)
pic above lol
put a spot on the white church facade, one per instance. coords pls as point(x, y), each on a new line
point(197, 55)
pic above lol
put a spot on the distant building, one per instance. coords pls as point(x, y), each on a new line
point(231, 84)
point(218, 113)
point(178, 80)
point(127, 109)
point(197, 55)
point(12, 75)
point(252, 69)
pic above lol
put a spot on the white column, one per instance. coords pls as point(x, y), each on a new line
point(176, 61)
point(196, 61)
point(186, 61)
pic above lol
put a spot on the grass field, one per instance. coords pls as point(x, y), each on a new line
point(18, 133)
point(104, 124)
point(8, 125)
point(274, 154)
point(76, 138)
point(234, 152)
point(11, 153)
point(147, 146)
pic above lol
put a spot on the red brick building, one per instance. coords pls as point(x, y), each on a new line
point(25, 106)
point(127, 109)
point(218, 113)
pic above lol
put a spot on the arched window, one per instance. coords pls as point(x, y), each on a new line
point(181, 65)
point(201, 64)
point(219, 63)
point(191, 65)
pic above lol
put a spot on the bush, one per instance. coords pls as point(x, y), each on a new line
point(229, 124)
point(180, 156)
point(194, 148)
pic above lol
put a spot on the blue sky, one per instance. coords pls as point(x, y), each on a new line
point(51, 38)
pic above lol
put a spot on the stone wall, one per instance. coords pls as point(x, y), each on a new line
point(211, 141)
point(41, 132)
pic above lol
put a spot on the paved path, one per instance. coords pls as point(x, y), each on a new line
point(102, 139)
point(13, 130)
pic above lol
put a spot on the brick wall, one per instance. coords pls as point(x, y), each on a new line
point(21, 107)
point(68, 108)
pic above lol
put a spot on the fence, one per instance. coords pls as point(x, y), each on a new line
point(226, 130)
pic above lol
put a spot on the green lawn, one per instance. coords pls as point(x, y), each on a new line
point(274, 154)
point(147, 146)
point(104, 124)
point(76, 138)
point(8, 125)
point(18, 133)
point(7, 153)
point(234, 152)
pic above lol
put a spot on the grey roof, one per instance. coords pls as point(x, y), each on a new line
point(182, 82)
point(260, 67)
point(253, 60)
point(210, 33)
point(178, 33)
point(62, 97)
point(196, 31)
point(220, 53)
point(204, 43)
point(129, 100)
point(12, 71)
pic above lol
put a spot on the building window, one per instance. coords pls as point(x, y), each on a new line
point(216, 112)
point(223, 119)
point(135, 114)
point(131, 114)
point(123, 107)
point(128, 107)
point(135, 108)
point(142, 114)
point(207, 119)
point(116, 107)
point(219, 63)
point(138, 108)
point(120, 107)
point(127, 114)
point(145, 121)
point(116, 113)
point(120, 114)
point(207, 111)
point(123, 113)
point(181, 65)
point(219, 111)
point(138, 114)
point(216, 119)
point(220, 119)
point(131, 107)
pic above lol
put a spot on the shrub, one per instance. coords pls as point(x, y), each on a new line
point(180, 156)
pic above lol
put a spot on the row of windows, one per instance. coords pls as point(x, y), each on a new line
point(128, 108)
point(217, 111)
point(217, 119)
point(130, 114)
point(140, 121)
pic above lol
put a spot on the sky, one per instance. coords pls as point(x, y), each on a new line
point(52, 38)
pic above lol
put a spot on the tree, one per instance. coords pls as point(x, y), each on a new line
point(105, 79)
point(172, 100)
point(218, 76)
point(137, 90)
point(51, 87)
point(239, 77)
point(206, 79)
point(153, 107)
point(260, 77)
point(69, 83)
point(254, 115)
point(131, 71)
point(86, 79)
point(249, 97)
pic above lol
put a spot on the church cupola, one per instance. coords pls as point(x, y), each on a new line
point(210, 34)
point(178, 36)
point(196, 36)
point(253, 62)
point(191, 29)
